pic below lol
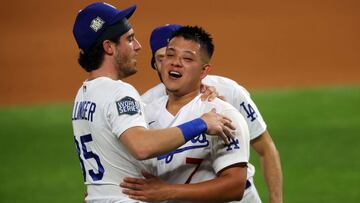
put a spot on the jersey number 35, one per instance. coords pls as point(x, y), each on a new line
point(87, 156)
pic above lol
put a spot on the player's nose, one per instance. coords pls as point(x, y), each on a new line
point(176, 61)
point(137, 45)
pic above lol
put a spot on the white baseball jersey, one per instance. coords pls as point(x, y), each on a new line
point(103, 110)
point(201, 158)
point(235, 94)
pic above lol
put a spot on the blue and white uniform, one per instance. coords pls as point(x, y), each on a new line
point(239, 98)
point(201, 158)
point(103, 110)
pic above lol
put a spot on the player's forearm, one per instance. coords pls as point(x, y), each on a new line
point(221, 189)
point(195, 193)
point(271, 166)
point(166, 140)
point(145, 144)
point(273, 175)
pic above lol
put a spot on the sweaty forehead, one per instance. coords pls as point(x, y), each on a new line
point(180, 44)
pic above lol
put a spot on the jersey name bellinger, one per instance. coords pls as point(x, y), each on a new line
point(84, 110)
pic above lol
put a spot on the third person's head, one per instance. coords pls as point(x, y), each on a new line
point(159, 39)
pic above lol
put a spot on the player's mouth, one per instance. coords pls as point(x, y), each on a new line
point(175, 74)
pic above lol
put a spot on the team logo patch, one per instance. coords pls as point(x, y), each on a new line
point(234, 144)
point(97, 24)
point(128, 105)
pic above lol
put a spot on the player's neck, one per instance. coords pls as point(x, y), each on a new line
point(176, 101)
point(104, 71)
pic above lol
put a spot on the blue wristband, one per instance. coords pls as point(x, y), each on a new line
point(192, 128)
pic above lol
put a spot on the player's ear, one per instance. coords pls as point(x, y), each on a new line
point(108, 47)
point(205, 70)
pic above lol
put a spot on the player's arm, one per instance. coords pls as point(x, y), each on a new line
point(228, 186)
point(271, 166)
point(262, 144)
point(143, 143)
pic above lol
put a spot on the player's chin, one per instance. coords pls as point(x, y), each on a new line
point(130, 71)
point(134, 65)
point(171, 89)
point(134, 70)
point(171, 85)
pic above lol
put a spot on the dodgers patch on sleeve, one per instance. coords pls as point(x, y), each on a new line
point(128, 105)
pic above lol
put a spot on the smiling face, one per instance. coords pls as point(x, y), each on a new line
point(183, 67)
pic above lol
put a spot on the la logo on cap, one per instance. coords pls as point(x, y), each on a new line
point(97, 24)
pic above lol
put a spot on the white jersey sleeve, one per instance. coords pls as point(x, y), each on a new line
point(238, 147)
point(124, 112)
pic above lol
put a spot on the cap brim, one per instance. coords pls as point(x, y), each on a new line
point(126, 13)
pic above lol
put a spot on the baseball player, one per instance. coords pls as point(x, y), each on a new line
point(203, 169)
point(108, 120)
point(240, 98)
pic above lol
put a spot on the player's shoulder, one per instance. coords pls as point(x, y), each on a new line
point(218, 104)
point(156, 102)
point(108, 84)
point(153, 93)
point(226, 83)
point(216, 79)
point(155, 105)
point(155, 110)
point(223, 105)
point(110, 89)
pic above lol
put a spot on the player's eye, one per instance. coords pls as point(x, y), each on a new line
point(188, 59)
point(169, 54)
point(159, 58)
point(131, 38)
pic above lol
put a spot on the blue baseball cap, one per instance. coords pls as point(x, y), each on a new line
point(95, 19)
point(160, 37)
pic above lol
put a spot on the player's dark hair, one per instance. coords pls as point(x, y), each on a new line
point(93, 58)
point(199, 35)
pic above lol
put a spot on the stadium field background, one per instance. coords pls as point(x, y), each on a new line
point(315, 129)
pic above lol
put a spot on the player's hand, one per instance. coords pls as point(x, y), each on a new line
point(150, 188)
point(209, 93)
point(218, 125)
